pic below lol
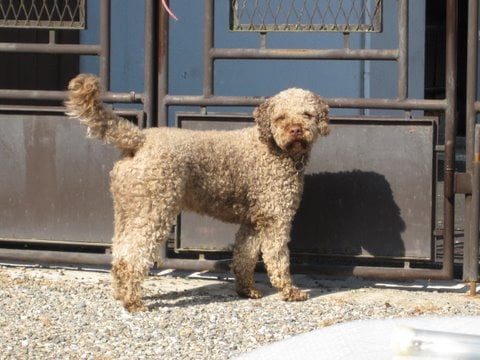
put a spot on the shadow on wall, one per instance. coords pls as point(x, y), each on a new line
point(348, 213)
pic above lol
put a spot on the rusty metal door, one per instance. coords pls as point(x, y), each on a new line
point(54, 187)
point(391, 183)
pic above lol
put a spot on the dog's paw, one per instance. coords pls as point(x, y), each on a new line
point(250, 293)
point(135, 306)
point(294, 294)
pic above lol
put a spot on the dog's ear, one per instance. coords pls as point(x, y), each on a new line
point(262, 115)
point(323, 117)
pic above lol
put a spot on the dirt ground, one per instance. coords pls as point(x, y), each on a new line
point(421, 296)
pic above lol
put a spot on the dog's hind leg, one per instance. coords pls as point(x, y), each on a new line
point(245, 257)
point(135, 246)
point(134, 252)
point(144, 214)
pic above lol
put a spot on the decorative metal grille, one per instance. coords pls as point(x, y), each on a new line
point(306, 15)
point(49, 14)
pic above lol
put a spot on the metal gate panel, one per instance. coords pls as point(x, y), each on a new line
point(54, 184)
point(403, 99)
point(368, 191)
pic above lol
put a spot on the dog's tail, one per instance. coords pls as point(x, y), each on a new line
point(85, 103)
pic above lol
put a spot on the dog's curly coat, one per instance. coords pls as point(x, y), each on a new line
point(253, 177)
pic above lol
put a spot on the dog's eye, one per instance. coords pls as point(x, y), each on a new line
point(279, 118)
point(308, 114)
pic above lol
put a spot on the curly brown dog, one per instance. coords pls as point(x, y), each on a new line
point(252, 177)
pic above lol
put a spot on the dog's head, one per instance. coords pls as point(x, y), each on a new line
point(292, 120)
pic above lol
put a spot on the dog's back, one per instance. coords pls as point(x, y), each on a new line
point(211, 171)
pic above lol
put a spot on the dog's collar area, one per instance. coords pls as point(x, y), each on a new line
point(298, 159)
point(299, 164)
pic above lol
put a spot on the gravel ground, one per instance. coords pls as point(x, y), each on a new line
point(59, 313)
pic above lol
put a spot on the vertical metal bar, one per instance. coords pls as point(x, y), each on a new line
point(378, 10)
point(470, 272)
point(346, 40)
point(105, 44)
point(208, 16)
point(263, 40)
point(149, 41)
point(402, 65)
point(470, 255)
point(52, 37)
point(162, 68)
point(449, 171)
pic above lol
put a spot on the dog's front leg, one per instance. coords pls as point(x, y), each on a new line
point(274, 248)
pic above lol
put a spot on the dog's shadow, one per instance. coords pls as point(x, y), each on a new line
point(186, 298)
point(218, 292)
point(348, 213)
point(203, 295)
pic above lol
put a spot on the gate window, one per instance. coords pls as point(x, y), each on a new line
point(49, 14)
point(306, 15)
